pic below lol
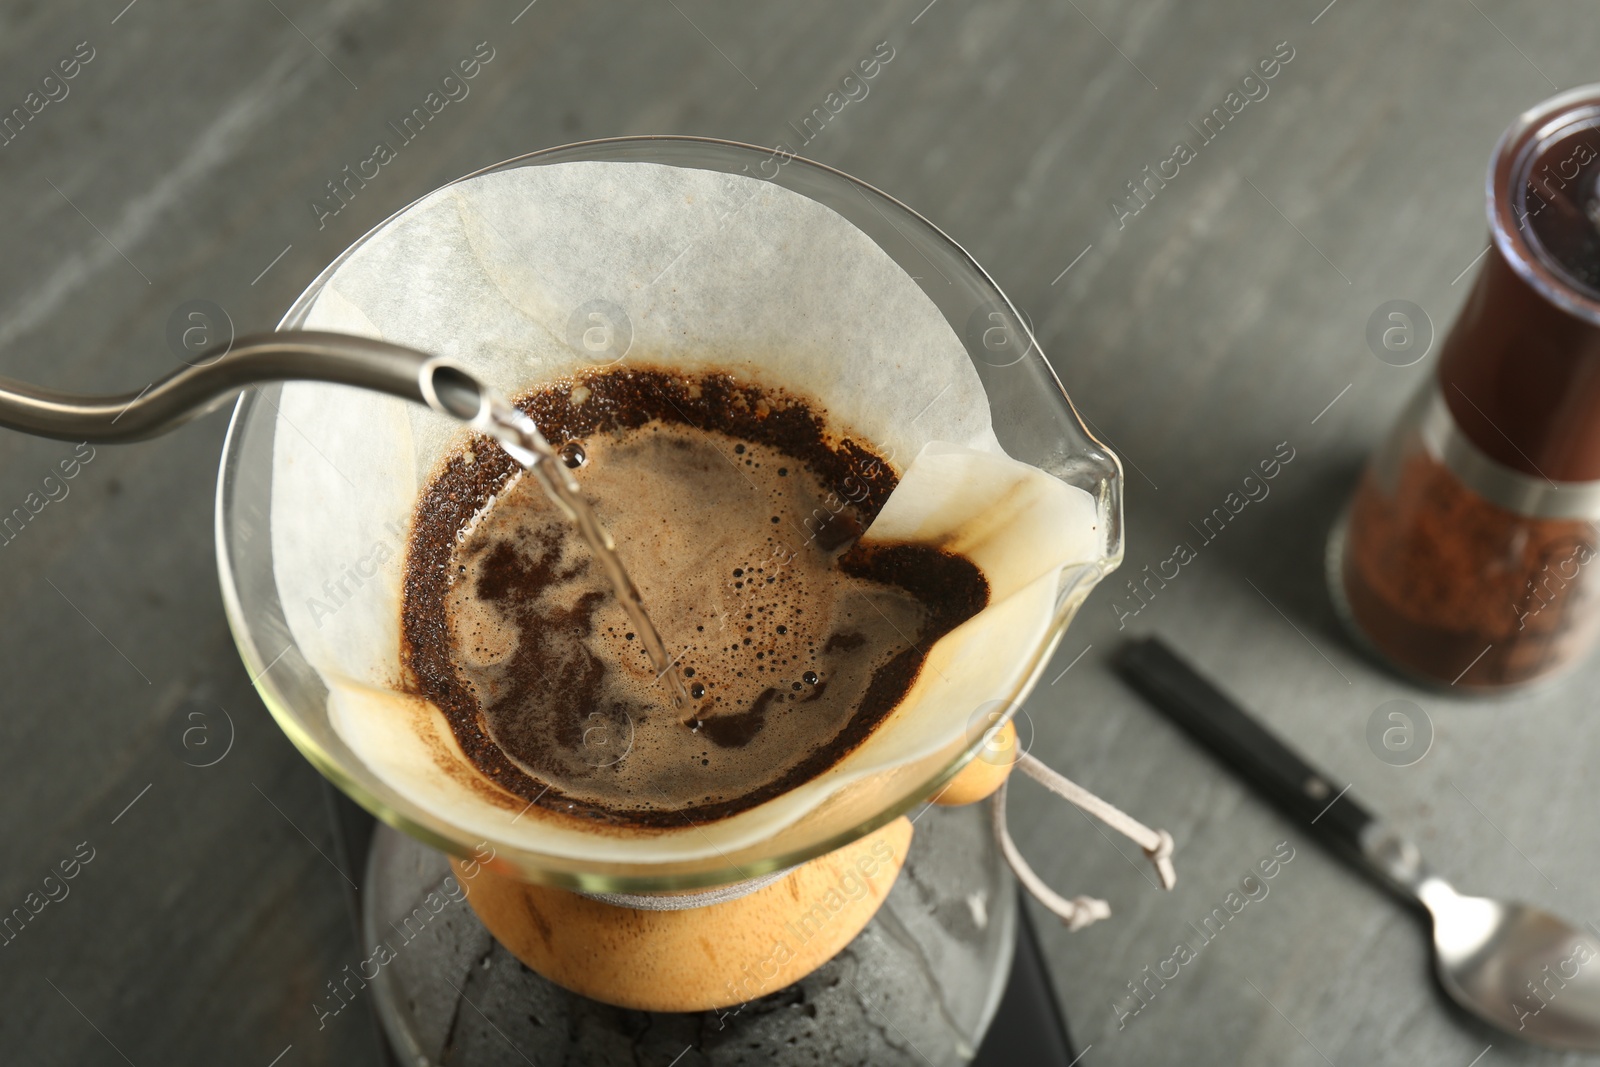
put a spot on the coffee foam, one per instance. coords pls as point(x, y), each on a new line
point(733, 546)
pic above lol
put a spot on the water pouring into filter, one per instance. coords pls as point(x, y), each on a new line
point(461, 396)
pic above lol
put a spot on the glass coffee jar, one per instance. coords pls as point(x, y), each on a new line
point(1467, 557)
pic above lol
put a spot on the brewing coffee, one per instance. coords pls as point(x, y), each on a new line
point(738, 515)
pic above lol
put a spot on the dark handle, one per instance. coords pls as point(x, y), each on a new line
point(1296, 788)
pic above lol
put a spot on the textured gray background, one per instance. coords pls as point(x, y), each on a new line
point(1219, 322)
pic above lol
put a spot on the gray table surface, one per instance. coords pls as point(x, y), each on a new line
point(1221, 320)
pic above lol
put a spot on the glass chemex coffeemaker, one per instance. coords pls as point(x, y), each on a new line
point(680, 253)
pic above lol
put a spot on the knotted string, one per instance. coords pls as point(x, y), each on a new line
point(1083, 910)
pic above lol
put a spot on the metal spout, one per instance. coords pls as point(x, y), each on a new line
point(219, 374)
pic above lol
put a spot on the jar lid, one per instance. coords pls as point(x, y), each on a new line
point(1544, 199)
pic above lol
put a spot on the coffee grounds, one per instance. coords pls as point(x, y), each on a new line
point(1452, 587)
point(508, 632)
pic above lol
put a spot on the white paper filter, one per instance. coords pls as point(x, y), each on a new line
point(712, 271)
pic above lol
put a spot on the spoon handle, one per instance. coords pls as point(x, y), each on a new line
point(1298, 790)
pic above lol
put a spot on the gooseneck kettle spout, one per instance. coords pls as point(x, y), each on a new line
point(218, 374)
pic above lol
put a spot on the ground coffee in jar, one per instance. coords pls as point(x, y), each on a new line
point(1466, 556)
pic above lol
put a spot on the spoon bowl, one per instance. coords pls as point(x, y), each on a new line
point(1517, 967)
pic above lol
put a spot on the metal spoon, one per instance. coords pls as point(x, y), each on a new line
point(1516, 967)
